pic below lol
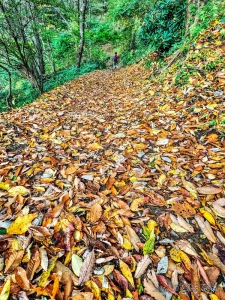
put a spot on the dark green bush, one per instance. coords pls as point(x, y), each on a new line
point(163, 26)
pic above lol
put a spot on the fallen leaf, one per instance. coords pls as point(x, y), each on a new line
point(142, 266)
point(83, 296)
point(21, 278)
point(126, 272)
point(133, 237)
point(17, 190)
point(95, 213)
point(209, 190)
point(14, 260)
point(87, 268)
point(21, 224)
point(151, 290)
point(6, 290)
point(76, 264)
point(206, 228)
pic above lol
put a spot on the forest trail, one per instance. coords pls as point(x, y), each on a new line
point(125, 171)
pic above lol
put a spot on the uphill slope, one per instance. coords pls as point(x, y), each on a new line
point(114, 174)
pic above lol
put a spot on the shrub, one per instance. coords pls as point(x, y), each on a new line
point(163, 26)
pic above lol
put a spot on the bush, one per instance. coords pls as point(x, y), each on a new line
point(163, 26)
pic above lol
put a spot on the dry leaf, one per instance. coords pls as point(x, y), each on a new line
point(21, 224)
point(87, 268)
point(95, 213)
point(133, 237)
point(83, 296)
point(21, 278)
point(206, 228)
point(142, 266)
point(17, 190)
point(218, 207)
point(151, 290)
point(14, 260)
point(209, 190)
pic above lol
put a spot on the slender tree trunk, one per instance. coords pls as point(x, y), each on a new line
point(9, 96)
point(83, 9)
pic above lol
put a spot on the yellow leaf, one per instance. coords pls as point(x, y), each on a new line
point(180, 256)
point(208, 216)
point(61, 225)
point(128, 294)
point(94, 288)
point(162, 179)
point(21, 224)
point(185, 259)
point(126, 272)
point(5, 291)
point(39, 188)
point(17, 190)
point(175, 255)
point(151, 93)
point(140, 146)
point(213, 297)
point(126, 243)
point(108, 269)
point(4, 186)
point(151, 225)
point(136, 203)
point(94, 146)
point(46, 274)
point(133, 179)
point(110, 297)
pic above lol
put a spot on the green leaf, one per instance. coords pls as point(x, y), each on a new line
point(146, 232)
point(149, 244)
point(140, 289)
point(3, 231)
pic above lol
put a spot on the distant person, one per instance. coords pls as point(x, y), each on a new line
point(115, 60)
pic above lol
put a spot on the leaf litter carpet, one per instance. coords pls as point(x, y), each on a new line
point(112, 186)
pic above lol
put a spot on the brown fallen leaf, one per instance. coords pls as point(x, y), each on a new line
point(14, 260)
point(185, 246)
point(134, 239)
point(21, 278)
point(142, 266)
point(123, 283)
point(83, 296)
point(95, 213)
point(218, 207)
point(206, 228)
point(220, 293)
point(87, 268)
point(195, 282)
point(151, 290)
point(203, 273)
point(33, 263)
point(209, 190)
point(212, 273)
point(183, 209)
point(217, 262)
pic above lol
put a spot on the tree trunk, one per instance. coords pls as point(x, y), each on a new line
point(9, 96)
point(83, 9)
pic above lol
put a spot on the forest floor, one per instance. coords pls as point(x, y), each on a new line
point(112, 185)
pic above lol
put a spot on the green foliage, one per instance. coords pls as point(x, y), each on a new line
point(211, 11)
point(163, 26)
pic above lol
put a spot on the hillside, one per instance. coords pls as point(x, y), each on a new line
point(112, 185)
